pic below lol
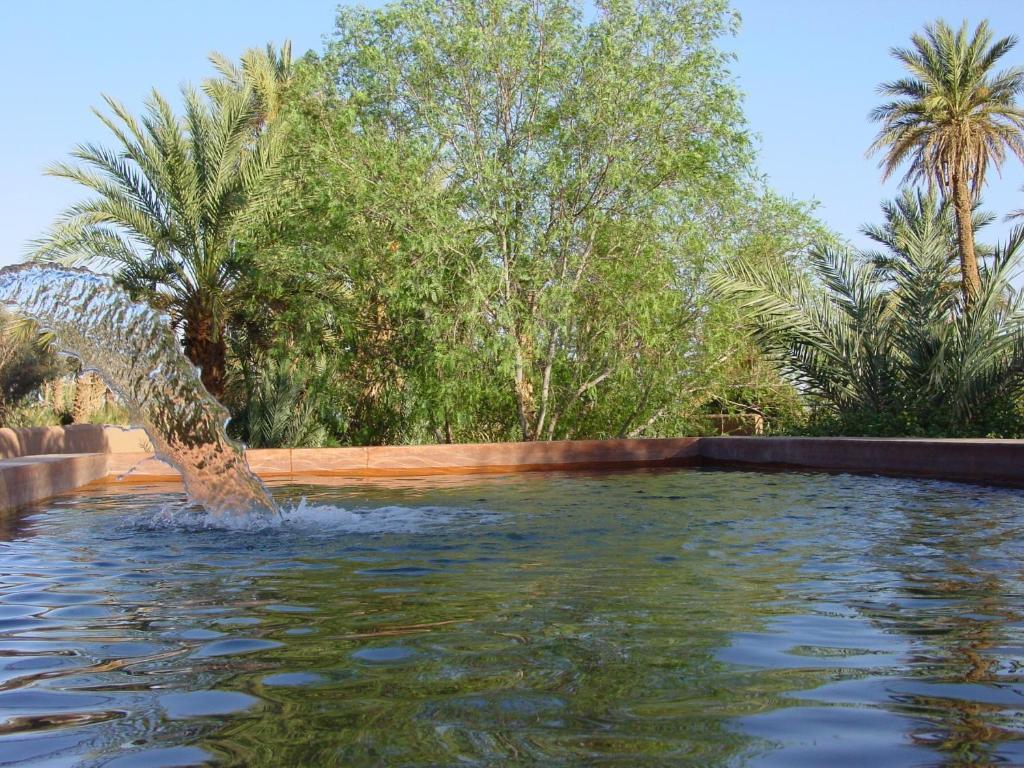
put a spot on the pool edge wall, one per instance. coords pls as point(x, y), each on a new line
point(454, 459)
point(995, 462)
point(124, 456)
point(30, 479)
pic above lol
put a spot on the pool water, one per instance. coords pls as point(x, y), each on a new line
point(684, 617)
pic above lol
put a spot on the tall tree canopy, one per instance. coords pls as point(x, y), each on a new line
point(584, 159)
point(468, 220)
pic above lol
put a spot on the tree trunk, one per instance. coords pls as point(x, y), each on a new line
point(207, 351)
point(54, 394)
point(525, 403)
point(970, 280)
point(89, 390)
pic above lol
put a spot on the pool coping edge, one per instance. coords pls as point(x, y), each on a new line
point(29, 479)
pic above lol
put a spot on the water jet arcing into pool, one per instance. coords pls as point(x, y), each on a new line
point(131, 347)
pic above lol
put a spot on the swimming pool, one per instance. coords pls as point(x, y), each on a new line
point(671, 617)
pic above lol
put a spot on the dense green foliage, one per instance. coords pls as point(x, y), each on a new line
point(883, 343)
point(26, 362)
point(484, 232)
point(487, 220)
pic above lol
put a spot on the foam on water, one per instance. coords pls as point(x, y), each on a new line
point(389, 519)
point(315, 518)
point(187, 517)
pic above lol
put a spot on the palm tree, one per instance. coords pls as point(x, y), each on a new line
point(833, 343)
point(267, 73)
point(950, 119)
point(881, 339)
point(169, 203)
point(915, 220)
point(1018, 214)
point(281, 409)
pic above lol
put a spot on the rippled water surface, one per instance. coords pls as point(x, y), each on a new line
point(673, 618)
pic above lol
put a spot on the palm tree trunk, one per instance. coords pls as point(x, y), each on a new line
point(970, 280)
point(526, 405)
point(89, 391)
point(54, 394)
point(207, 350)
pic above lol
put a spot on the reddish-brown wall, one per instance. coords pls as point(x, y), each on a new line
point(29, 479)
point(75, 438)
point(991, 461)
point(441, 459)
point(988, 461)
point(125, 454)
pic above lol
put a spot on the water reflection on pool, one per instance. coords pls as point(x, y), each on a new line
point(681, 617)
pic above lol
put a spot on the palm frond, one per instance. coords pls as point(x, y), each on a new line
point(887, 334)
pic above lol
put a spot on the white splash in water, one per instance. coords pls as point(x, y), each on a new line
point(390, 519)
point(185, 517)
point(318, 519)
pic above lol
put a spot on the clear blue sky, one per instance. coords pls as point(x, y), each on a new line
point(809, 69)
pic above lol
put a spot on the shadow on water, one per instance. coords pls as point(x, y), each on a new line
point(16, 523)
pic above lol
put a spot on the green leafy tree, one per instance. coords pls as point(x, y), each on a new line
point(582, 194)
point(169, 202)
point(951, 118)
point(365, 264)
point(730, 374)
point(397, 252)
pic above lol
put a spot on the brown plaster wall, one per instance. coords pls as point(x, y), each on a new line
point(29, 479)
point(988, 461)
point(75, 438)
point(44, 462)
point(440, 459)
